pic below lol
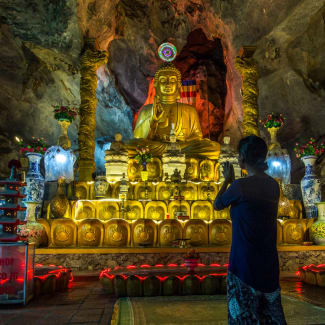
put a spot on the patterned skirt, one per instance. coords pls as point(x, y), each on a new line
point(247, 306)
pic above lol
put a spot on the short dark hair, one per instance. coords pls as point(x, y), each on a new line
point(253, 151)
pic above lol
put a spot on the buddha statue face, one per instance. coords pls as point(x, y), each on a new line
point(167, 83)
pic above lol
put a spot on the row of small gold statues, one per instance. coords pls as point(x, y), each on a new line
point(150, 233)
point(158, 210)
point(132, 209)
point(199, 170)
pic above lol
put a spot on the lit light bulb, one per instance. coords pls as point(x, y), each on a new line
point(60, 158)
point(276, 164)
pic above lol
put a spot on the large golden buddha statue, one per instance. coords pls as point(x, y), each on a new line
point(155, 121)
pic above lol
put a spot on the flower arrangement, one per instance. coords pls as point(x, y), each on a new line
point(273, 120)
point(37, 145)
point(143, 155)
point(65, 113)
point(312, 148)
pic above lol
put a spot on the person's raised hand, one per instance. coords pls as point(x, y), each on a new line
point(228, 172)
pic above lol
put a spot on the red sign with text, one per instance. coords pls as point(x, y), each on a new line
point(16, 272)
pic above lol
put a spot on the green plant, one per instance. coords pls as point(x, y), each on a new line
point(312, 148)
point(143, 155)
point(273, 120)
point(65, 113)
point(37, 145)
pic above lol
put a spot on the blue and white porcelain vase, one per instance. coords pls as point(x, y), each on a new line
point(310, 187)
point(35, 181)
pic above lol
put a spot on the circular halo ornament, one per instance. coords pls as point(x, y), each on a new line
point(167, 52)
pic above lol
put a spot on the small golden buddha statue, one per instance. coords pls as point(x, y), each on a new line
point(155, 121)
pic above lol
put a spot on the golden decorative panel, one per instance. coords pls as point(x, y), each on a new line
point(222, 214)
point(134, 210)
point(155, 210)
point(207, 189)
point(197, 232)
point(90, 233)
point(46, 238)
point(168, 231)
point(189, 191)
point(84, 209)
point(192, 168)
point(117, 233)
point(81, 190)
point(107, 210)
point(163, 191)
point(154, 168)
point(220, 232)
point(202, 210)
point(115, 190)
point(293, 231)
point(63, 233)
point(206, 170)
point(216, 172)
point(144, 232)
point(279, 232)
point(296, 209)
point(140, 191)
point(175, 206)
point(134, 169)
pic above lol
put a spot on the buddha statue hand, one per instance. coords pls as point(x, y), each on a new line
point(157, 110)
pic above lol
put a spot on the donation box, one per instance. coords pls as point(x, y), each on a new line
point(16, 272)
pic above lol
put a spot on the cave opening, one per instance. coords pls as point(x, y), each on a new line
point(202, 60)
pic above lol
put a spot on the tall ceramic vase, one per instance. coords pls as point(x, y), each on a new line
point(63, 140)
point(35, 181)
point(310, 187)
point(317, 230)
point(32, 230)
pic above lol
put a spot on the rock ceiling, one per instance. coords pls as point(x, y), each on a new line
point(41, 43)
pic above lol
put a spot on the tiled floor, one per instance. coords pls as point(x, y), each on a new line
point(85, 303)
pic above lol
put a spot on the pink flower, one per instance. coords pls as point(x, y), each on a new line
point(31, 149)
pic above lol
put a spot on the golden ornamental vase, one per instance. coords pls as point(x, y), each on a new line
point(144, 175)
point(59, 204)
point(273, 138)
point(63, 140)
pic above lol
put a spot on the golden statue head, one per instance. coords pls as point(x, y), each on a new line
point(168, 81)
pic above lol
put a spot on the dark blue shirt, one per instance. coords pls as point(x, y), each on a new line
point(254, 205)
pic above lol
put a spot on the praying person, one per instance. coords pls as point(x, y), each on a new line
point(253, 289)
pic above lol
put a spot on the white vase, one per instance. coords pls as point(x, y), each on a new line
point(32, 229)
point(310, 187)
point(317, 230)
point(35, 181)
